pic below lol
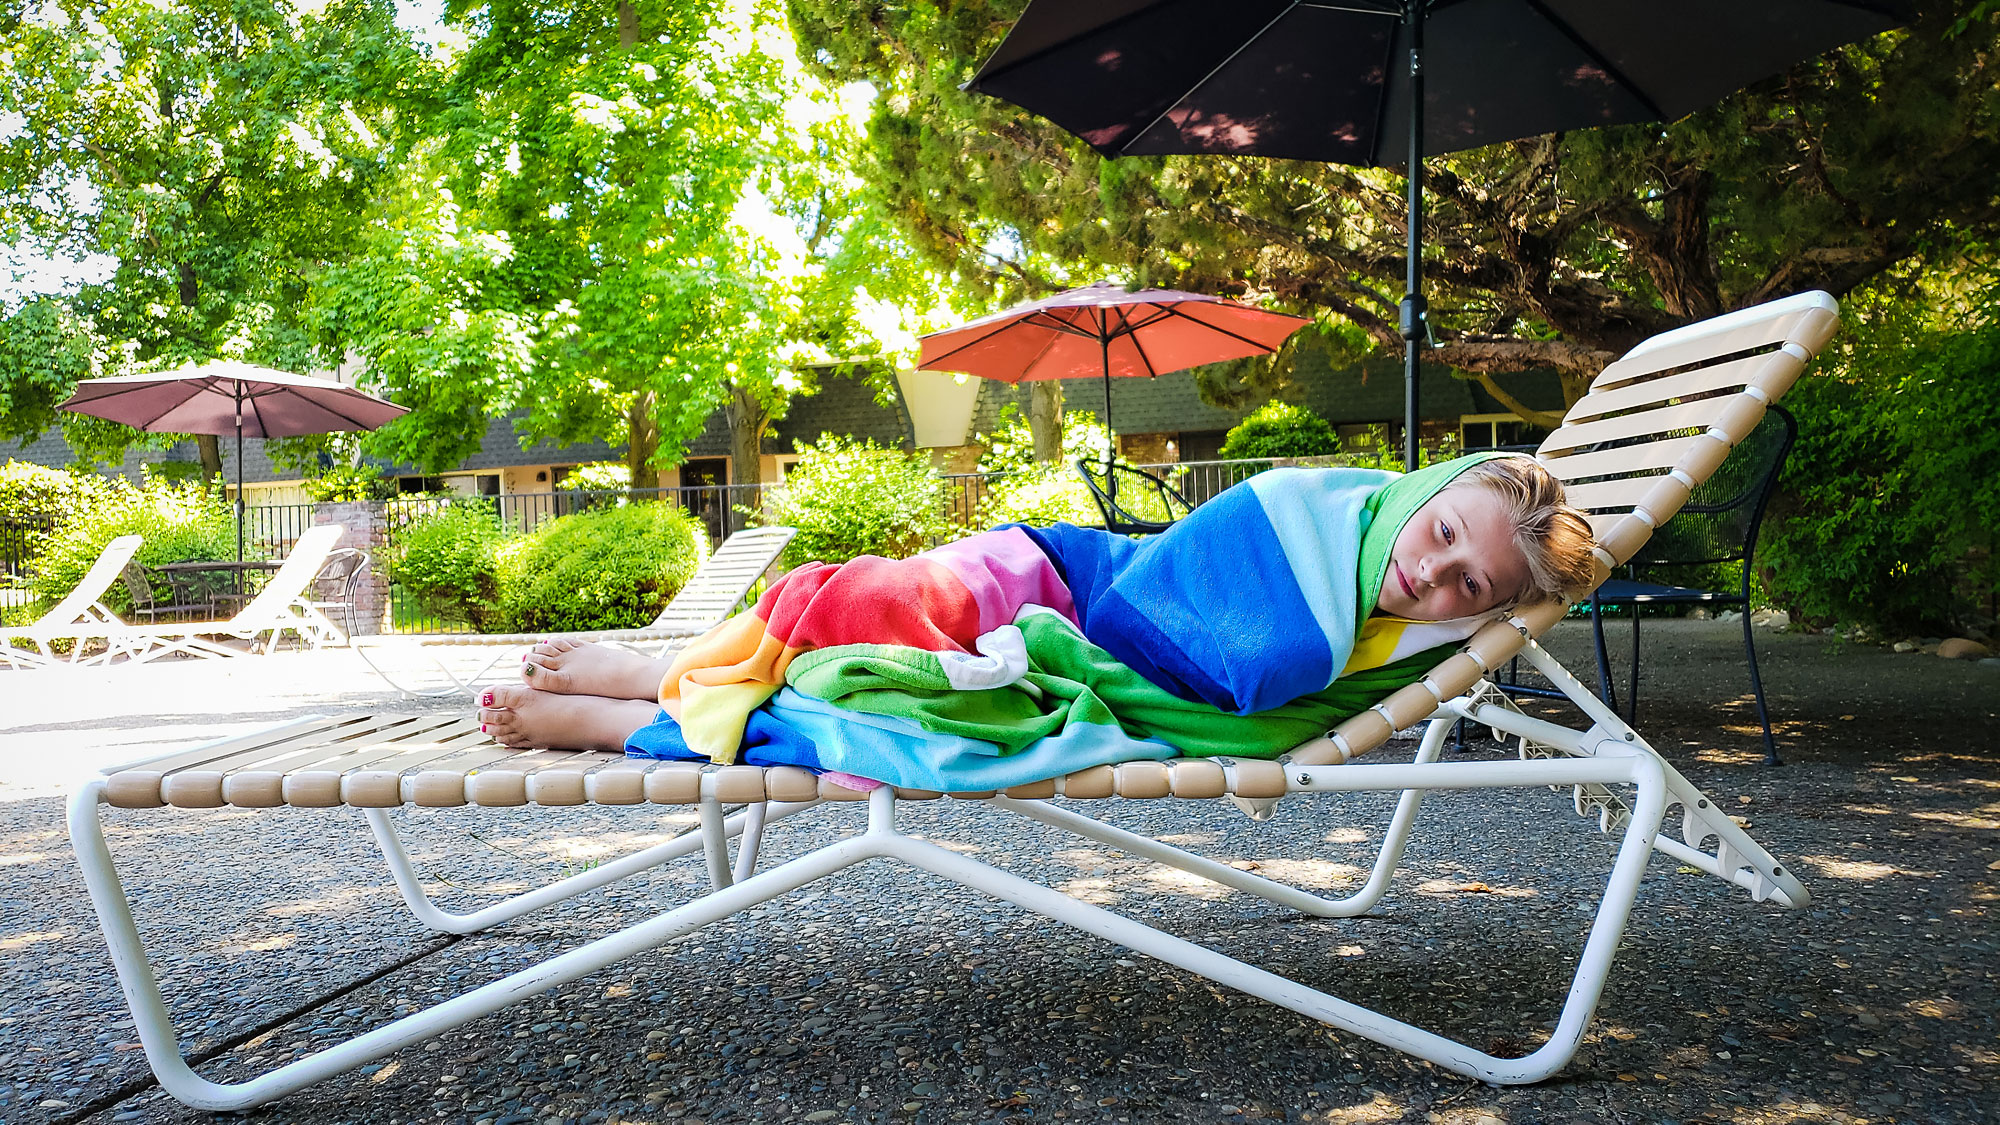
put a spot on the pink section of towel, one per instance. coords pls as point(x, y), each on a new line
point(1004, 570)
point(851, 781)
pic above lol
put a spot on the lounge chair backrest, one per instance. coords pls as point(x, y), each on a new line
point(75, 606)
point(723, 579)
point(1653, 426)
point(291, 579)
point(1719, 522)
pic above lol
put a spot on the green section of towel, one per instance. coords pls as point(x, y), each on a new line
point(1073, 681)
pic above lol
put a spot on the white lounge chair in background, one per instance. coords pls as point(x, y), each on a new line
point(719, 585)
point(280, 607)
point(80, 617)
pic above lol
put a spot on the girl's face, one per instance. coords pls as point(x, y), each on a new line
point(1455, 558)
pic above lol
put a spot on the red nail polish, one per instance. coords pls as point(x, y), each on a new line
point(482, 728)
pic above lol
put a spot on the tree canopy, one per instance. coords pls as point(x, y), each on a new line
point(219, 153)
point(1556, 252)
point(578, 218)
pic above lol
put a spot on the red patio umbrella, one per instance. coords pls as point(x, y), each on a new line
point(1104, 330)
point(226, 397)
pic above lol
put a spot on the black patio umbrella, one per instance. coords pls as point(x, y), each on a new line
point(1387, 82)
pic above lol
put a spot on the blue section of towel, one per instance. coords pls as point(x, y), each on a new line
point(1226, 606)
point(798, 730)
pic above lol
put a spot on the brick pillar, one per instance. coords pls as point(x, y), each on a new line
point(366, 525)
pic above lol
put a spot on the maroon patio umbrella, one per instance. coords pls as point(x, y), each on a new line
point(1103, 330)
point(226, 397)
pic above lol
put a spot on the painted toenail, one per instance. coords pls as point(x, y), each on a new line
point(486, 699)
point(482, 728)
point(530, 669)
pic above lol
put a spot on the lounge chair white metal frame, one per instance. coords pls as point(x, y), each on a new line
point(81, 616)
point(718, 586)
point(1711, 384)
point(280, 607)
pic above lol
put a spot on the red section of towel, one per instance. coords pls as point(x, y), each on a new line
point(914, 602)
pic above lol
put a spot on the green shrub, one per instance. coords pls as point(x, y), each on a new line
point(33, 496)
point(1280, 429)
point(180, 522)
point(850, 498)
point(1039, 495)
point(1884, 516)
point(448, 559)
point(345, 483)
point(613, 568)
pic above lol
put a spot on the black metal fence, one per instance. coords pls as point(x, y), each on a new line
point(20, 542)
point(722, 509)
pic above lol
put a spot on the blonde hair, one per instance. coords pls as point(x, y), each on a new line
point(1554, 538)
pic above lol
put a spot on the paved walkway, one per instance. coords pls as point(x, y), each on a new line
point(873, 998)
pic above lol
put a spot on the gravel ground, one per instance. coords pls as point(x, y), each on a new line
point(877, 996)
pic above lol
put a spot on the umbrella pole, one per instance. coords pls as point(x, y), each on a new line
point(239, 484)
point(1110, 440)
point(1413, 314)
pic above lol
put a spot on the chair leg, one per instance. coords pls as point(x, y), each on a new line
point(1605, 690)
point(154, 1022)
point(747, 824)
point(1757, 690)
point(1632, 685)
point(1593, 967)
point(1394, 839)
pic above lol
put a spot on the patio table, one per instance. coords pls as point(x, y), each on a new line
point(203, 580)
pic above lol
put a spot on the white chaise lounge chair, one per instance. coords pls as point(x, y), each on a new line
point(280, 607)
point(81, 617)
point(718, 586)
point(1653, 425)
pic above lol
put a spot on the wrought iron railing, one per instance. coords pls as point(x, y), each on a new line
point(723, 510)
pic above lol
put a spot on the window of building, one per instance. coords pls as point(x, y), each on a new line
point(1497, 431)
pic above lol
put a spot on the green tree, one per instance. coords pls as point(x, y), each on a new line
point(565, 244)
point(1883, 513)
point(1552, 252)
point(219, 152)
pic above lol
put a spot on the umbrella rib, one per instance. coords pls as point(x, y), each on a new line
point(1047, 345)
point(997, 329)
point(1043, 318)
point(137, 388)
point(1224, 331)
point(1561, 25)
point(1363, 10)
point(1155, 313)
point(1248, 41)
point(1152, 372)
point(1382, 103)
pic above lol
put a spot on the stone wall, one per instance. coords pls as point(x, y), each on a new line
point(366, 528)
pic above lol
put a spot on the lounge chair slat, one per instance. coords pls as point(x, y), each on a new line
point(1663, 421)
point(341, 747)
point(1653, 455)
point(1810, 328)
point(1730, 376)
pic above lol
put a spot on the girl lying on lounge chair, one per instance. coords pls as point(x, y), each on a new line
point(1273, 612)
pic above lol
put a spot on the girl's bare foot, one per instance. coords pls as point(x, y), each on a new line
point(525, 718)
point(568, 667)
